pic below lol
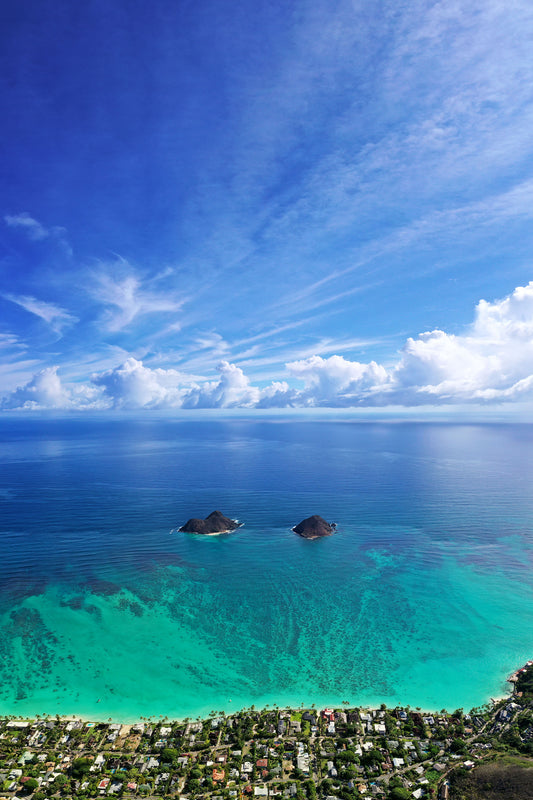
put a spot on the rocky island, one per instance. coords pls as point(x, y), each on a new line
point(314, 527)
point(216, 522)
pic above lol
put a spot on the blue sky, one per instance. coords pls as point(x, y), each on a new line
point(266, 204)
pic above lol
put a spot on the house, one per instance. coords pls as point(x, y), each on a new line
point(14, 774)
point(302, 762)
point(332, 772)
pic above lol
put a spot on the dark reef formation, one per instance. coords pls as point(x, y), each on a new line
point(314, 527)
point(216, 522)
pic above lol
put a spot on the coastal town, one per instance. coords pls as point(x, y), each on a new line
point(330, 753)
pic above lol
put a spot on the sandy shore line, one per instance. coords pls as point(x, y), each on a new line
point(294, 707)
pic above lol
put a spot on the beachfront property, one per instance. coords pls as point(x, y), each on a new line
point(389, 753)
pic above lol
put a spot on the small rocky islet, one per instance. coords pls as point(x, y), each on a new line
point(314, 527)
point(216, 522)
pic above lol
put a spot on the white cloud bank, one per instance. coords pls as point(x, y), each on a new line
point(133, 385)
point(43, 391)
point(491, 362)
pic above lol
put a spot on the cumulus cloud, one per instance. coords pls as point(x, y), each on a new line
point(336, 381)
point(132, 385)
point(54, 315)
point(43, 391)
point(492, 361)
point(233, 389)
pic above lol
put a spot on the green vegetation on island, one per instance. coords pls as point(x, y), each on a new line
point(305, 754)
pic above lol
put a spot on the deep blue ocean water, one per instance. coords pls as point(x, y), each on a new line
point(424, 595)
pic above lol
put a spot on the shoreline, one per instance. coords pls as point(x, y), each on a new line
point(230, 707)
point(395, 752)
point(295, 708)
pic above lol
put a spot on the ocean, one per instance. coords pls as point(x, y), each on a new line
point(422, 597)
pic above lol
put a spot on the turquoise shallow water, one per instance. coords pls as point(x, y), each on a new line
point(424, 596)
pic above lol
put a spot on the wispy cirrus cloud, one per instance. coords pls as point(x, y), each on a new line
point(443, 144)
point(464, 222)
point(26, 223)
point(10, 341)
point(16, 363)
point(35, 231)
point(55, 316)
point(369, 167)
point(126, 296)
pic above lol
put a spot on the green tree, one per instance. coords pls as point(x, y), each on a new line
point(458, 746)
point(347, 755)
point(169, 754)
point(80, 767)
point(371, 757)
point(399, 793)
point(30, 786)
